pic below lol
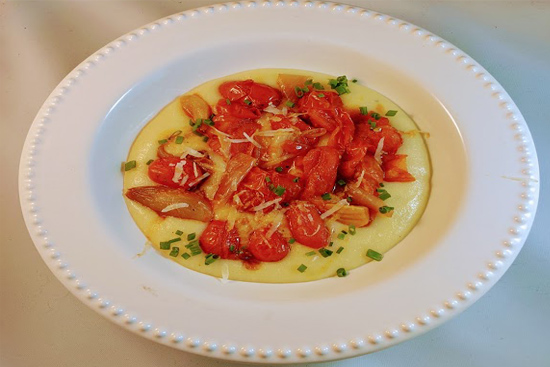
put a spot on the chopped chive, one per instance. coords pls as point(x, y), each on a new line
point(191, 236)
point(279, 190)
point(375, 115)
point(130, 165)
point(318, 86)
point(342, 272)
point(279, 169)
point(326, 196)
point(198, 133)
point(185, 255)
point(391, 113)
point(179, 233)
point(352, 230)
point(321, 95)
point(363, 110)
point(372, 124)
point(231, 248)
point(349, 199)
point(248, 102)
point(383, 194)
point(296, 179)
point(344, 232)
point(341, 182)
point(175, 251)
point(381, 184)
point(267, 179)
point(325, 252)
point(374, 255)
point(290, 104)
point(354, 80)
point(179, 140)
point(227, 101)
point(330, 244)
point(191, 123)
point(210, 258)
point(311, 253)
point(162, 141)
point(165, 245)
point(385, 209)
point(292, 240)
point(340, 249)
point(150, 161)
point(308, 82)
point(192, 244)
point(341, 236)
point(342, 89)
point(205, 139)
point(299, 92)
point(302, 268)
point(208, 122)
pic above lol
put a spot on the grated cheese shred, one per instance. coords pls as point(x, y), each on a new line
point(339, 205)
point(174, 207)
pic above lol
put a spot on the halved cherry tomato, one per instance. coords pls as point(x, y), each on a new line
point(291, 184)
point(274, 248)
point(235, 90)
point(219, 240)
point(254, 191)
point(162, 172)
point(306, 225)
point(369, 131)
point(320, 166)
point(262, 95)
point(259, 95)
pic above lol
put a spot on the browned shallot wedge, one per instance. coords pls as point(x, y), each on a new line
point(362, 197)
point(195, 106)
point(237, 168)
point(173, 202)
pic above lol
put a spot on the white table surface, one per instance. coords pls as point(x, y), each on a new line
point(42, 324)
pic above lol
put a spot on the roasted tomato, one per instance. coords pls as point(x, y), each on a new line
point(306, 225)
point(269, 249)
point(219, 240)
point(254, 191)
point(320, 167)
point(162, 171)
point(235, 90)
point(250, 93)
point(369, 131)
point(292, 185)
point(395, 169)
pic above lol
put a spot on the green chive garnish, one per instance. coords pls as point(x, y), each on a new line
point(279, 169)
point(391, 113)
point(375, 255)
point(383, 194)
point(354, 81)
point(311, 253)
point(179, 139)
point(179, 233)
point(150, 161)
point(363, 110)
point(340, 249)
point(205, 139)
point(185, 255)
point(299, 92)
point(385, 209)
point(175, 251)
point(279, 190)
point(231, 248)
point(267, 179)
point(321, 95)
point(318, 86)
point(342, 272)
point(165, 245)
point(342, 89)
point(292, 240)
point(302, 268)
point(352, 230)
point(290, 104)
point(227, 101)
point(308, 82)
point(130, 165)
point(341, 236)
point(326, 196)
point(210, 258)
point(325, 252)
point(341, 182)
point(349, 199)
point(296, 179)
point(248, 102)
point(163, 141)
point(330, 244)
point(375, 116)
point(372, 124)
point(191, 236)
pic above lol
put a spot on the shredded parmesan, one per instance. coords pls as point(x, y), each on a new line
point(360, 179)
point(339, 205)
point(276, 223)
point(195, 169)
point(274, 110)
point(178, 171)
point(254, 142)
point(378, 153)
point(174, 207)
point(288, 130)
point(192, 152)
point(218, 132)
point(184, 180)
point(237, 140)
point(225, 274)
point(266, 204)
point(199, 179)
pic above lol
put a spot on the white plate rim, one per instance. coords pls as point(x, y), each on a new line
point(449, 307)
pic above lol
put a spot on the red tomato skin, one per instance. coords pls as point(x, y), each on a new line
point(235, 90)
point(262, 95)
point(306, 225)
point(217, 239)
point(320, 169)
point(162, 173)
point(292, 189)
point(271, 249)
